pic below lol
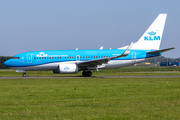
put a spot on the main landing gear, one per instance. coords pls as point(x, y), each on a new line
point(87, 73)
point(24, 74)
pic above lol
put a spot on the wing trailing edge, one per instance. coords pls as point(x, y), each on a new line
point(94, 63)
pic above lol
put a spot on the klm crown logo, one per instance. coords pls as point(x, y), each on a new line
point(152, 37)
point(66, 68)
point(152, 33)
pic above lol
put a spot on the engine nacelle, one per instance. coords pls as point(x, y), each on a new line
point(67, 69)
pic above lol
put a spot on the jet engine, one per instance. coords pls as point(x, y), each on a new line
point(66, 69)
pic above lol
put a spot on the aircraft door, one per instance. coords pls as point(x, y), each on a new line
point(133, 56)
point(77, 58)
point(29, 58)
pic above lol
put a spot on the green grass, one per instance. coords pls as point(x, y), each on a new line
point(90, 99)
point(126, 71)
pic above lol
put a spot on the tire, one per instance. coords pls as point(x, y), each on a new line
point(84, 73)
point(24, 74)
point(89, 73)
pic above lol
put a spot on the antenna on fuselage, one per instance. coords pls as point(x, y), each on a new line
point(101, 48)
point(76, 48)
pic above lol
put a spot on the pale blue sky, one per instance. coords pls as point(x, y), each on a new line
point(30, 25)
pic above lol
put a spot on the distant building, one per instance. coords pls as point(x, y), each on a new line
point(170, 64)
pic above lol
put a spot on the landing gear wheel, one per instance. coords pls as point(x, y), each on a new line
point(84, 73)
point(24, 74)
point(87, 73)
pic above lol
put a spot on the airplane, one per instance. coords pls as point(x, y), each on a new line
point(73, 61)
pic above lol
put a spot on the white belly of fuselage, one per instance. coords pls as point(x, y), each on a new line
point(54, 66)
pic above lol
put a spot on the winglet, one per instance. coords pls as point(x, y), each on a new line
point(126, 52)
point(128, 49)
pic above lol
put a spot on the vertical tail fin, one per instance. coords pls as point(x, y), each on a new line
point(151, 39)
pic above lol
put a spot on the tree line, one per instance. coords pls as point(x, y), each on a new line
point(154, 60)
point(2, 60)
point(163, 59)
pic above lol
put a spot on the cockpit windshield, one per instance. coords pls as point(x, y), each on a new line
point(15, 57)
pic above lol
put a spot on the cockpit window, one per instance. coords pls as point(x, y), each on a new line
point(15, 57)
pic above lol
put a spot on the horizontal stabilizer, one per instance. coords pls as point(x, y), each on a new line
point(158, 51)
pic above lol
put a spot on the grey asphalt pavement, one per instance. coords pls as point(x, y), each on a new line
point(63, 77)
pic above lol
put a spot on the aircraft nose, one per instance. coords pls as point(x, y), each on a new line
point(7, 63)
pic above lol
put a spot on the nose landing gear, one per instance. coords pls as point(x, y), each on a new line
point(24, 74)
point(87, 73)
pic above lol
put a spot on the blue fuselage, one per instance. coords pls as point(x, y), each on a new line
point(36, 58)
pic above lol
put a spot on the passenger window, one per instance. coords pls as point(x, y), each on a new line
point(39, 57)
point(34, 57)
point(44, 57)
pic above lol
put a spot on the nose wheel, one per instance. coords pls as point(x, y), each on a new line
point(87, 73)
point(24, 74)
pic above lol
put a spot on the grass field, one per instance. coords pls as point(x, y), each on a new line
point(90, 99)
point(126, 71)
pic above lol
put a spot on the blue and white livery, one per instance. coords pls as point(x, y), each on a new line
point(73, 61)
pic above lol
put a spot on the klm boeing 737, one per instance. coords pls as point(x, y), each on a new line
point(73, 61)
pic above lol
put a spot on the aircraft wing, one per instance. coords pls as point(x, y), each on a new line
point(158, 51)
point(94, 63)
